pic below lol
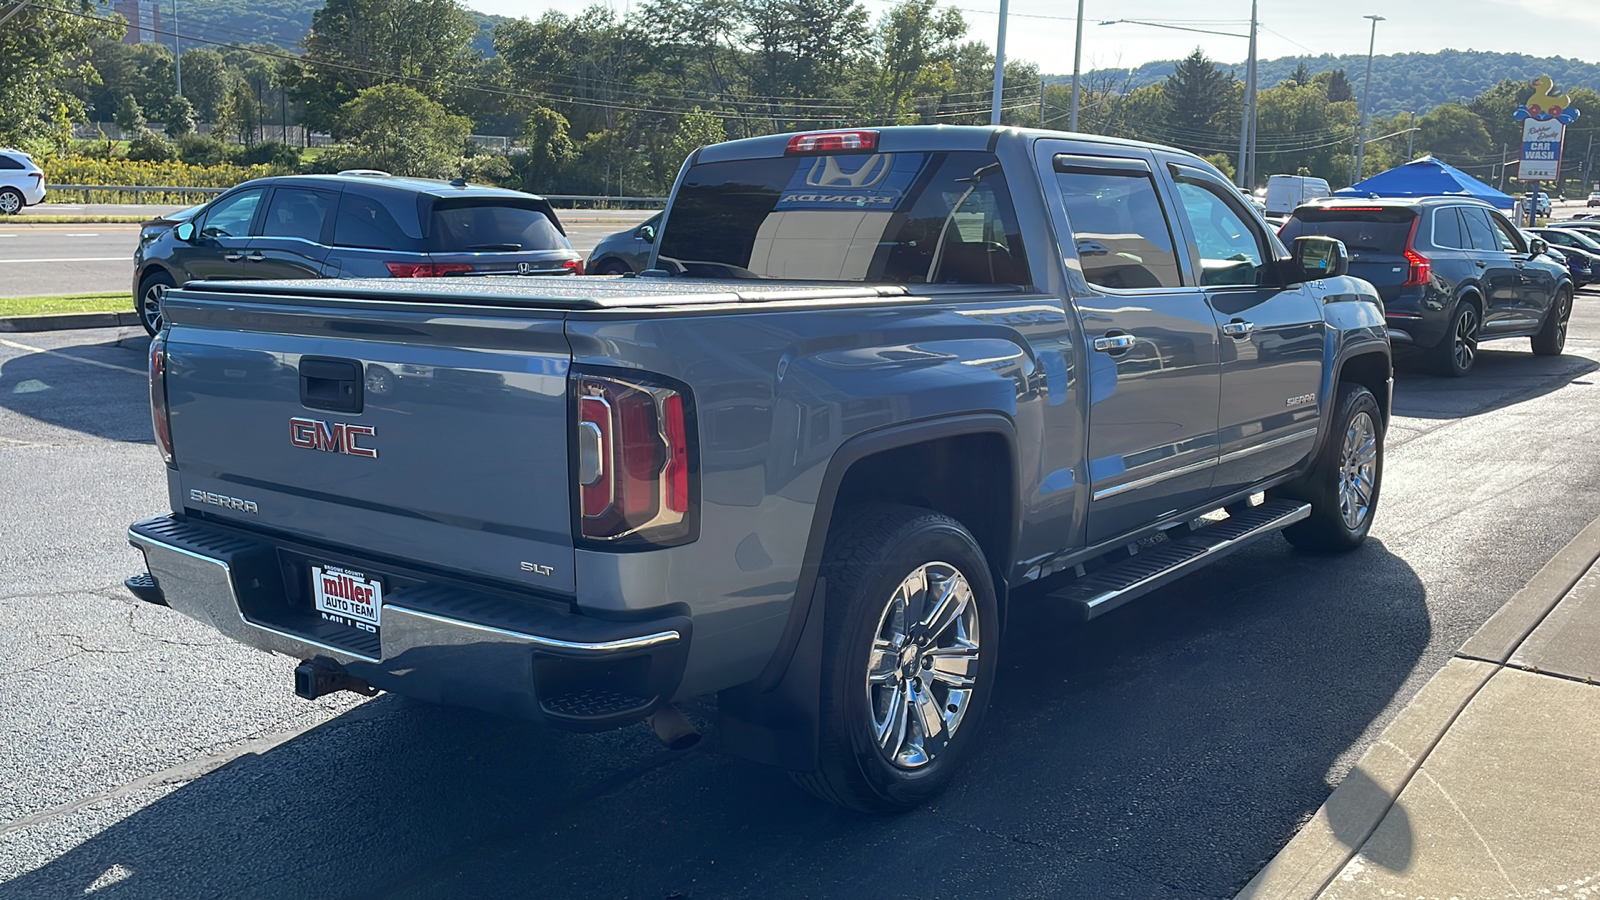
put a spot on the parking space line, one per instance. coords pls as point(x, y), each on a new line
point(89, 362)
point(72, 259)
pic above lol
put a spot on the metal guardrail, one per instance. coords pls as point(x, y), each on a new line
point(165, 194)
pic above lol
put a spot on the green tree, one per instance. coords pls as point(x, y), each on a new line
point(1453, 132)
point(205, 82)
point(912, 47)
point(1339, 89)
point(180, 118)
point(398, 129)
point(548, 148)
point(240, 116)
point(1301, 75)
point(129, 117)
point(1199, 98)
point(43, 50)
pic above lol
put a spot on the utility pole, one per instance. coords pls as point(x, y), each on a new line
point(1411, 138)
point(1041, 102)
point(1588, 163)
point(1502, 167)
point(1077, 68)
point(999, 67)
point(177, 48)
point(1366, 93)
point(1250, 96)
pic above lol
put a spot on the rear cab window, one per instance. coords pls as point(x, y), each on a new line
point(942, 217)
point(1119, 229)
point(490, 224)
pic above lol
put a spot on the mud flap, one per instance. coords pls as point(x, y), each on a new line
point(779, 727)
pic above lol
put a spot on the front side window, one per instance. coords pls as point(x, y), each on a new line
point(1122, 235)
point(231, 217)
point(919, 218)
point(1482, 234)
point(297, 213)
point(1510, 240)
point(1230, 251)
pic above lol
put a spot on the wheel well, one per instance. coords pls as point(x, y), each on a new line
point(967, 477)
point(152, 269)
point(1370, 370)
point(1472, 296)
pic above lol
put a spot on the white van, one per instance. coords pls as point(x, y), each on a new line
point(1285, 192)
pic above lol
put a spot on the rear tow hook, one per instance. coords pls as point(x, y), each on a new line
point(145, 588)
point(316, 677)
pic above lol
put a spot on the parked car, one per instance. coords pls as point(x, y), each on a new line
point(1286, 193)
point(1541, 202)
point(21, 182)
point(1575, 245)
point(806, 472)
point(350, 225)
point(1452, 273)
point(1594, 199)
point(1579, 265)
point(625, 251)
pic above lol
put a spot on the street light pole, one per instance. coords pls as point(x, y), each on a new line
point(1077, 67)
point(999, 67)
point(1250, 99)
point(177, 48)
point(1366, 92)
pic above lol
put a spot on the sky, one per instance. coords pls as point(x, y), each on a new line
point(1041, 31)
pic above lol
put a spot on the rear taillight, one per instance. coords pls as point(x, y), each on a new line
point(635, 462)
point(426, 270)
point(576, 265)
point(160, 419)
point(1420, 268)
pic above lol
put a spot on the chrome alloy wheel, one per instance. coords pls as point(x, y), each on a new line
point(1358, 464)
point(1563, 314)
point(923, 665)
point(10, 202)
point(150, 305)
point(1466, 338)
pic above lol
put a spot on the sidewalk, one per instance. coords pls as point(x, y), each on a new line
point(1488, 784)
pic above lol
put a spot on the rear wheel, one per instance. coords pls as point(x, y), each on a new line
point(151, 291)
point(1552, 338)
point(1456, 353)
point(911, 633)
point(10, 201)
point(1343, 486)
point(613, 267)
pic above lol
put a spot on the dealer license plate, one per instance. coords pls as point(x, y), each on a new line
point(347, 597)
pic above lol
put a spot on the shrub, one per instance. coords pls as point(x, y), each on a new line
point(202, 150)
point(495, 170)
point(147, 146)
point(270, 153)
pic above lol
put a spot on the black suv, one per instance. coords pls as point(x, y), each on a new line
point(360, 224)
point(1451, 273)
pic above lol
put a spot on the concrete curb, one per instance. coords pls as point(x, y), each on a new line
point(1316, 855)
point(64, 321)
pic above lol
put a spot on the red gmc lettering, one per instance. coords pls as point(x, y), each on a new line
point(331, 437)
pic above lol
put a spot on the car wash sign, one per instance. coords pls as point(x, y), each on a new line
point(1544, 119)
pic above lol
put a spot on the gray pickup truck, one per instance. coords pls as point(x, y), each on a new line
point(876, 383)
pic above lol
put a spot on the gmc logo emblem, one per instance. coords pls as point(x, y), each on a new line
point(336, 437)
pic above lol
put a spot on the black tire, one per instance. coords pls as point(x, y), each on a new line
point(149, 300)
point(1458, 349)
point(613, 267)
point(871, 552)
point(11, 202)
point(1552, 338)
point(1327, 529)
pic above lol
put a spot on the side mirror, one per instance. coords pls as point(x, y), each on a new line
point(647, 233)
point(1319, 257)
point(185, 232)
point(1538, 246)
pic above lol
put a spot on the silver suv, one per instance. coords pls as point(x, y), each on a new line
point(21, 182)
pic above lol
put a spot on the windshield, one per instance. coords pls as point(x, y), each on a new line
point(478, 226)
point(1370, 230)
point(942, 218)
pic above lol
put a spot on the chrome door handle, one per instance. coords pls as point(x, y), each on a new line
point(256, 257)
point(1114, 343)
point(1238, 328)
point(233, 257)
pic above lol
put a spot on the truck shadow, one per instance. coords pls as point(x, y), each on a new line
point(107, 397)
point(1499, 378)
point(1166, 750)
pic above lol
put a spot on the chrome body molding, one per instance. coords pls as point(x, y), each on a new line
point(1154, 479)
point(1242, 452)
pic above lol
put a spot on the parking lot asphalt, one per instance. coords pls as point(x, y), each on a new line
point(44, 259)
point(1166, 750)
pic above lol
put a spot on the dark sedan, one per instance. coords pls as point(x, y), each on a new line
point(625, 251)
point(350, 225)
point(1451, 272)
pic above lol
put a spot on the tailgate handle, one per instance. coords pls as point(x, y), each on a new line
point(330, 384)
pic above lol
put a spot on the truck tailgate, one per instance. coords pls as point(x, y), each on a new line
point(437, 440)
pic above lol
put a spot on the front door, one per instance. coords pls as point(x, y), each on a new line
point(1499, 271)
point(1271, 334)
point(222, 234)
point(1152, 343)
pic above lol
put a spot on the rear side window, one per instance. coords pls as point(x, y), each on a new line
point(1121, 233)
point(366, 222)
point(941, 217)
point(479, 226)
point(297, 213)
point(6, 162)
point(1447, 231)
point(1364, 229)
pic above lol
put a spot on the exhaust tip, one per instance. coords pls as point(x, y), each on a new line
point(673, 728)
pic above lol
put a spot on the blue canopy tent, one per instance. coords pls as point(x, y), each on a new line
point(1426, 177)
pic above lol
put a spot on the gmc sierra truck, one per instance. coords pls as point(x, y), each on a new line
point(875, 383)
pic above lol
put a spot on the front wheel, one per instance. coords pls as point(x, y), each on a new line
point(911, 635)
point(1343, 484)
point(1552, 338)
point(151, 292)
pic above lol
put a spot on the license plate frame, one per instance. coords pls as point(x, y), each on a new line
point(347, 597)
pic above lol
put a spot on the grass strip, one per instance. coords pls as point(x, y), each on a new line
point(121, 301)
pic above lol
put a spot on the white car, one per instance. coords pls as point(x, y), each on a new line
point(21, 182)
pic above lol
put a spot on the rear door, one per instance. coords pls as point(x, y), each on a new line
point(1500, 272)
point(1153, 372)
point(1272, 349)
point(293, 237)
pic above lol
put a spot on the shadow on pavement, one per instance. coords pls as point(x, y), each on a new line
point(103, 402)
point(1166, 750)
point(1499, 378)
